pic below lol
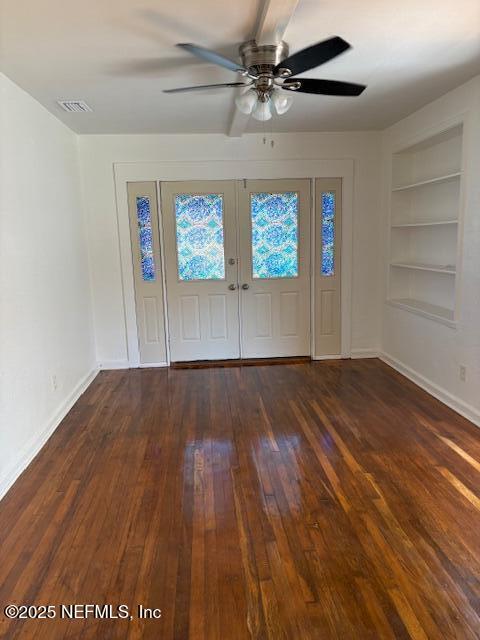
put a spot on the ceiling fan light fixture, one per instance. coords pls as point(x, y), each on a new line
point(246, 101)
point(262, 111)
point(282, 102)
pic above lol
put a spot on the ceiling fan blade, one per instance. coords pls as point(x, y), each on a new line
point(211, 56)
point(324, 87)
point(313, 56)
point(206, 86)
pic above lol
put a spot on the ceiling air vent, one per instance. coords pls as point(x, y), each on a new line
point(74, 106)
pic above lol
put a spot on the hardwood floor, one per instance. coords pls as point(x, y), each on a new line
point(306, 501)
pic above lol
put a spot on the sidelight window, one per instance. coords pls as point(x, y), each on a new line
point(144, 220)
point(328, 233)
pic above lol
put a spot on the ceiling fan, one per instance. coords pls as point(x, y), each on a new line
point(268, 71)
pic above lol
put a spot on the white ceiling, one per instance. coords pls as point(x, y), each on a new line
point(408, 52)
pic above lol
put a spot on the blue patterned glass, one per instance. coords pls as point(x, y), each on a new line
point(274, 235)
point(328, 233)
point(144, 220)
point(199, 224)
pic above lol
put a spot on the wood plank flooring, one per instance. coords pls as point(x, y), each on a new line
point(330, 500)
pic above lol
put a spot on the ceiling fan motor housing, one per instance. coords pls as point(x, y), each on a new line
point(260, 61)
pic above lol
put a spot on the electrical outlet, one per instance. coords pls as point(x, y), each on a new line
point(463, 373)
point(54, 382)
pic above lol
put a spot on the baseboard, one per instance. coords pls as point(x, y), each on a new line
point(33, 446)
point(109, 365)
point(153, 365)
point(355, 354)
point(112, 365)
point(364, 353)
point(463, 408)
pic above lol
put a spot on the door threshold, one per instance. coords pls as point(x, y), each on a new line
point(246, 362)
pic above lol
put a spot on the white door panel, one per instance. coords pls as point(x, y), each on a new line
point(263, 321)
point(218, 316)
point(274, 241)
point(189, 318)
point(150, 310)
point(201, 269)
point(289, 314)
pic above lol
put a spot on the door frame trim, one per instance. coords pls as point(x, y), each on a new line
point(229, 170)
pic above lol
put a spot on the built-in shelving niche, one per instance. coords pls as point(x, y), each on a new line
point(425, 210)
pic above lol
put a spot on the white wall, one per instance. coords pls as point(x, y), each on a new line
point(45, 312)
point(429, 352)
point(99, 154)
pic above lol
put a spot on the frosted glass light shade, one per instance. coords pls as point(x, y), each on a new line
point(262, 111)
point(282, 102)
point(246, 101)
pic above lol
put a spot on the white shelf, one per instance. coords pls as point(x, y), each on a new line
point(433, 223)
point(450, 270)
point(423, 183)
point(432, 311)
point(425, 217)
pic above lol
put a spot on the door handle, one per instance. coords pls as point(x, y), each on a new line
point(232, 287)
point(245, 286)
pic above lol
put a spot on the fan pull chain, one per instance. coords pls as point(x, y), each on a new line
point(265, 137)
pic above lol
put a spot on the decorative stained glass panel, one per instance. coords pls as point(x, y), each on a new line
point(144, 220)
point(199, 224)
point(328, 233)
point(274, 234)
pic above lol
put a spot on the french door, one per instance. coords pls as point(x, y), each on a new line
point(274, 248)
point(237, 259)
point(201, 269)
